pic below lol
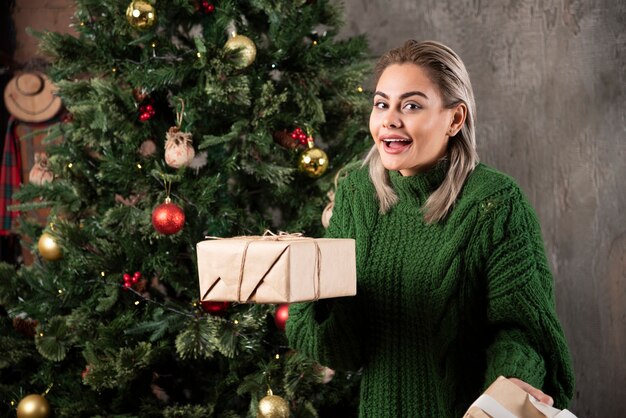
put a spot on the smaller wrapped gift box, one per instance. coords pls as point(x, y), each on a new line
point(272, 268)
point(504, 399)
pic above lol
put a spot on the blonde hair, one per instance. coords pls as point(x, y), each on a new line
point(447, 71)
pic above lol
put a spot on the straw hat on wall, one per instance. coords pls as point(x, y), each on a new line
point(30, 97)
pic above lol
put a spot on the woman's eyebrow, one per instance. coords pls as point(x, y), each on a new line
point(403, 95)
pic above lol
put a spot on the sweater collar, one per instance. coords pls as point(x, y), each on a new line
point(421, 185)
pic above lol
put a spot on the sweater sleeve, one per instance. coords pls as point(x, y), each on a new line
point(527, 339)
point(327, 330)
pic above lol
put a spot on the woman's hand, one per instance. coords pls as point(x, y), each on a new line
point(541, 397)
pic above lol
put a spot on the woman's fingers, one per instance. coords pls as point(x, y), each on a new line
point(538, 394)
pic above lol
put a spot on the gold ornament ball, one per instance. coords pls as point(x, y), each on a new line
point(273, 406)
point(246, 48)
point(313, 162)
point(49, 247)
point(140, 14)
point(33, 406)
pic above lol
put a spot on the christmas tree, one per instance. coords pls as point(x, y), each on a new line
point(185, 119)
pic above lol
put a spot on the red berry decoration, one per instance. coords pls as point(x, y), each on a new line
point(300, 136)
point(215, 308)
point(205, 7)
point(281, 316)
point(168, 218)
point(129, 280)
point(146, 110)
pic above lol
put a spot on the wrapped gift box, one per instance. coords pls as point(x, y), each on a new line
point(504, 399)
point(276, 268)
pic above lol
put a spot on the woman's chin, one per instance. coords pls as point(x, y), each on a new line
point(392, 161)
point(392, 165)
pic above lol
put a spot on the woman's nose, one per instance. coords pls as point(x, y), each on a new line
point(392, 120)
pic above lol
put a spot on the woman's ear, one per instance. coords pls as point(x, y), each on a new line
point(458, 119)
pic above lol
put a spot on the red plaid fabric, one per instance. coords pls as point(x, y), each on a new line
point(10, 177)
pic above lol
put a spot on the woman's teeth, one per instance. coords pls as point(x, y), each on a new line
point(396, 142)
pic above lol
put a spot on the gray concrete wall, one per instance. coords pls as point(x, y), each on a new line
point(549, 79)
point(39, 15)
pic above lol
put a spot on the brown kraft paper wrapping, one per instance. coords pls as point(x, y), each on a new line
point(504, 399)
point(281, 268)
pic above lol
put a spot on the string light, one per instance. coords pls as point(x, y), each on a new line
point(60, 291)
point(143, 298)
point(277, 356)
point(70, 165)
point(41, 334)
point(102, 273)
point(139, 166)
point(153, 44)
point(199, 55)
point(359, 89)
point(236, 322)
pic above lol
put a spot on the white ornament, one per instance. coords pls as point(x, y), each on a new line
point(147, 148)
point(178, 148)
point(40, 173)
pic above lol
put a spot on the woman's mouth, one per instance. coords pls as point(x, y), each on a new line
point(396, 145)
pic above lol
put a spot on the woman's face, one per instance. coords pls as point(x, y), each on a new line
point(409, 123)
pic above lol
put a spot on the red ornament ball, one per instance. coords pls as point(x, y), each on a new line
point(215, 308)
point(281, 316)
point(168, 218)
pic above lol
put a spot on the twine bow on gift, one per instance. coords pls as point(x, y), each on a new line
point(270, 236)
point(282, 235)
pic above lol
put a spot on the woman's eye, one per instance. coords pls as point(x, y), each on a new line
point(380, 105)
point(412, 106)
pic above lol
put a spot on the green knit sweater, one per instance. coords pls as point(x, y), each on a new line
point(442, 310)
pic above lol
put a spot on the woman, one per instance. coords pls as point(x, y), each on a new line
point(454, 288)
